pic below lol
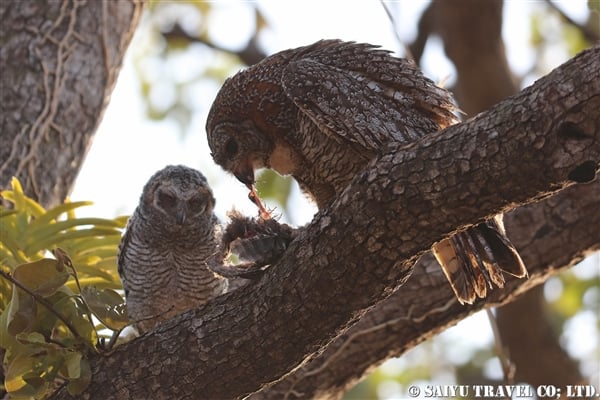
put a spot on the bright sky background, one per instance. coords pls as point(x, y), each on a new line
point(128, 148)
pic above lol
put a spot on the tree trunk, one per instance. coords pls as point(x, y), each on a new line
point(359, 251)
point(533, 336)
point(60, 61)
point(472, 34)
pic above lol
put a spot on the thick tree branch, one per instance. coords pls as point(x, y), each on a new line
point(359, 251)
point(425, 306)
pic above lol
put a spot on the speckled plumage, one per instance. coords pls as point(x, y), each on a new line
point(167, 241)
point(256, 242)
point(321, 112)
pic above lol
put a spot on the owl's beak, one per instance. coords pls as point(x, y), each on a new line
point(245, 175)
point(180, 216)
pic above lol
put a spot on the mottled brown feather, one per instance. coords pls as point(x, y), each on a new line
point(321, 112)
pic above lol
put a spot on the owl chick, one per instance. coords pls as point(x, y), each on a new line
point(321, 112)
point(162, 254)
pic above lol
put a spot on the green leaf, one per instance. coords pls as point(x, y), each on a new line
point(81, 247)
point(43, 277)
point(6, 213)
point(95, 271)
point(7, 340)
point(31, 338)
point(74, 311)
point(59, 239)
point(43, 232)
point(55, 212)
point(122, 220)
point(16, 195)
point(20, 381)
point(100, 283)
point(108, 306)
point(21, 202)
point(21, 312)
point(77, 386)
point(33, 208)
point(10, 249)
point(73, 365)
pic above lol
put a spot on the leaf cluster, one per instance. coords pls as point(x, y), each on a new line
point(58, 301)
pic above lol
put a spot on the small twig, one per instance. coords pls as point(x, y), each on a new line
point(249, 55)
point(508, 367)
point(588, 33)
point(111, 342)
point(407, 52)
point(46, 304)
point(424, 30)
point(63, 258)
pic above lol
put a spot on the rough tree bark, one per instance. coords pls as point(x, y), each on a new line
point(425, 306)
point(471, 31)
point(356, 253)
point(60, 61)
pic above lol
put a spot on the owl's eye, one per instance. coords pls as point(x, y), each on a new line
point(166, 200)
point(231, 147)
point(197, 206)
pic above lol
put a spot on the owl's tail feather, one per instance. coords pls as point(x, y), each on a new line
point(475, 259)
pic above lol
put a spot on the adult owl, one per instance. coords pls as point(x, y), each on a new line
point(321, 112)
point(163, 253)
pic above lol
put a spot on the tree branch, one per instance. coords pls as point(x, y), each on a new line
point(425, 306)
point(356, 253)
point(249, 55)
point(588, 32)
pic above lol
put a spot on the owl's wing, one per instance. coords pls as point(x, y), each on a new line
point(358, 93)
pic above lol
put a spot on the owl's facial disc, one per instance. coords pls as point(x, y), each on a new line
point(167, 201)
point(240, 149)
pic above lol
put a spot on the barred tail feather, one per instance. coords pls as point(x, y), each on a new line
point(504, 252)
point(452, 261)
point(474, 260)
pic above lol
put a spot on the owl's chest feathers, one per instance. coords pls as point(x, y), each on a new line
point(180, 262)
point(188, 278)
point(284, 159)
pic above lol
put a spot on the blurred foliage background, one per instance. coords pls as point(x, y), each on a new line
point(58, 301)
point(182, 53)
